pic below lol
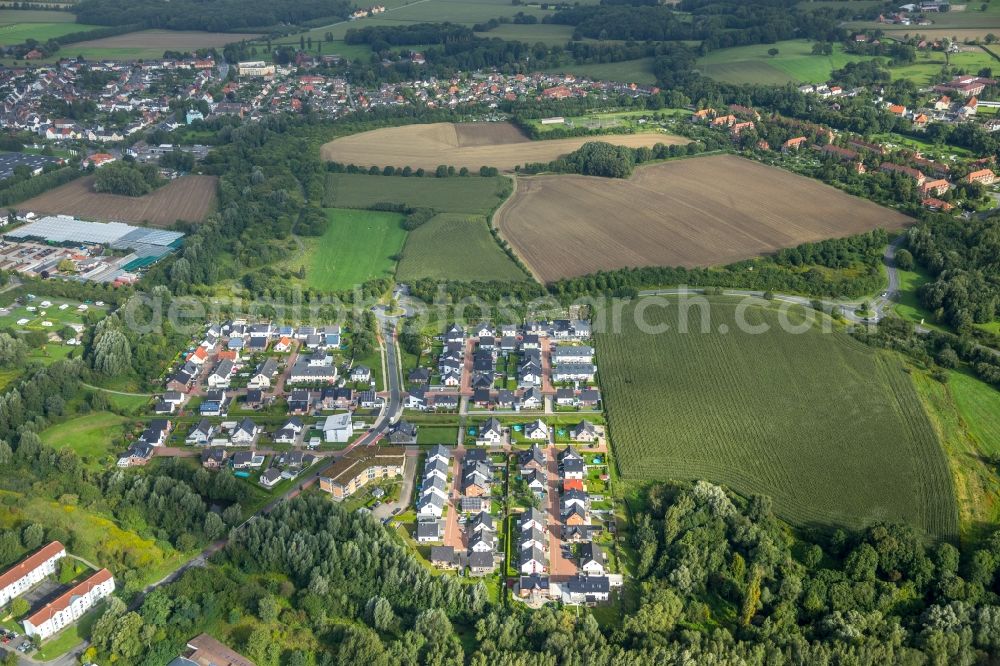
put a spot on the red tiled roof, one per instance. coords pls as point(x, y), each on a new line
point(66, 598)
point(30, 563)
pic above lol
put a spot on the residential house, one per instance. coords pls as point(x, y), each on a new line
point(243, 460)
point(481, 563)
point(490, 433)
point(984, 176)
point(532, 398)
point(476, 479)
point(793, 144)
point(537, 430)
point(305, 373)
point(137, 455)
point(361, 373)
point(937, 187)
point(531, 459)
point(201, 434)
point(221, 375)
point(402, 433)
point(444, 557)
point(593, 559)
point(574, 372)
point(215, 402)
point(244, 433)
point(584, 431)
point(586, 590)
point(566, 397)
point(264, 374)
point(338, 428)
point(300, 401)
point(270, 478)
point(429, 531)
point(213, 457)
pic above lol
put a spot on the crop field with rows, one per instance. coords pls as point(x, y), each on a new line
point(831, 430)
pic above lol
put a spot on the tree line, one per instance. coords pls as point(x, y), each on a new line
point(217, 15)
point(719, 579)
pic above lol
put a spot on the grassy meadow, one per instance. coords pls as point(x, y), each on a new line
point(794, 63)
point(357, 246)
point(455, 247)
point(832, 430)
point(627, 71)
point(92, 436)
point(472, 195)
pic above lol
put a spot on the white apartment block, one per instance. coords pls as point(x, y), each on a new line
point(70, 606)
point(30, 572)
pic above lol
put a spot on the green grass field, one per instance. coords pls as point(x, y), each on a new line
point(455, 247)
point(627, 71)
point(357, 246)
point(546, 33)
point(794, 63)
point(831, 430)
point(979, 405)
point(18, 33)
point(56, 317)
point(473, 195)
point(92, 436)
point(19, 25)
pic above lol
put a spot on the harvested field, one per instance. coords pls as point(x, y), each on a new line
point(471, 145)
point(695, 212)
point(190, 198)
point(163, 40)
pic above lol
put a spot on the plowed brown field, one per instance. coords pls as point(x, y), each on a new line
point(694, 212)
point(189, 198)
point(471, 145)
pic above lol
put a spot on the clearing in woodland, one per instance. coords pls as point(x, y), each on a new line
point(833, 431)
point(471, 145)
point(704, 211)
point(189, 198)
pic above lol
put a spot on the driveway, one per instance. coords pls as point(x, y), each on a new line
point(383, 511)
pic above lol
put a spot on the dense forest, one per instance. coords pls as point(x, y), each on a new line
point(718, 580)
point(127, 178)
point(212, 15)
point(963, 257)
point(716, 24)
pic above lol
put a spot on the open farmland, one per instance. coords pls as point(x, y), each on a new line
point(455, 247)
point(189, 198)
point(831, 430)
point(795, 62)
point(474, 195)
point(162, 40)
point(357, 246)
point(471, 145)
point(695, 212)
point(17, 26)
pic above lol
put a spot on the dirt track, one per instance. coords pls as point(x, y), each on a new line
point(471, 145)
point(190, 198)
point(694, 212)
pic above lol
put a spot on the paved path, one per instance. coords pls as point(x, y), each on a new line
point(131, 395)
